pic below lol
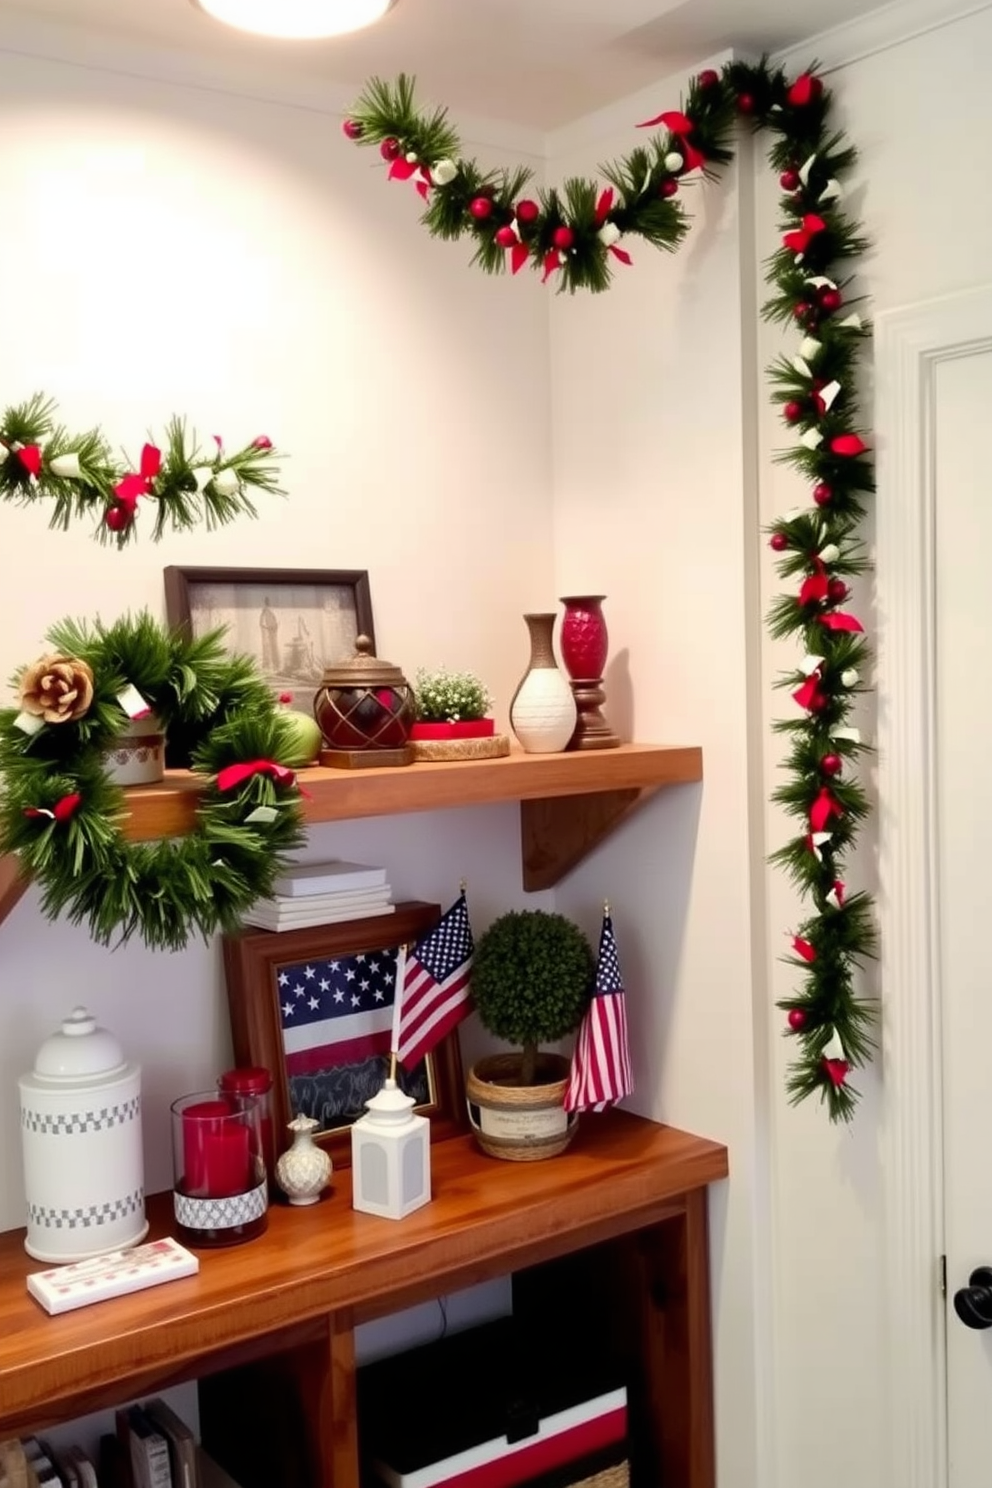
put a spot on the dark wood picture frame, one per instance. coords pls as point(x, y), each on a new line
point(252, 959)
point(183, 584)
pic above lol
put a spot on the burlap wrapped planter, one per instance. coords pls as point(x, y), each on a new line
point(520, 1122)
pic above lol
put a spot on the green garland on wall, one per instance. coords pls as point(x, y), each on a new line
point(79, 476)
point(62, 814)
point(578, 236)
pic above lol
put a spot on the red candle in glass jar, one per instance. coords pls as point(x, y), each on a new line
point(216, 1160)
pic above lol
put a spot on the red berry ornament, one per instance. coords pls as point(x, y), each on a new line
point(831, 300)
point(563, 237)
point(745, 102)
point(118, 518)
point(708, 78)
point(527, 210)
point(831, 764)
point(480, 207)
point(668, 187)
point(389, 149)
point(837, 591)
point(797, 1019)
point(352, 129)
point(506, 237)
point(802, 311)
point(822, 494)
point(778, 542)
point(789, 180)
point(792, 412)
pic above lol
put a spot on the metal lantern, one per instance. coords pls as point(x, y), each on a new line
point(365, 708)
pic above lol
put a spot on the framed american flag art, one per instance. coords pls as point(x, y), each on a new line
point(315, 1008)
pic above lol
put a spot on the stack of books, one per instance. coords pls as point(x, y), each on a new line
point(151, 1448)
point(323, 894)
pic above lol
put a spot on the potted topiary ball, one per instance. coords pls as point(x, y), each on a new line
point(532, 978)
point(453, 718)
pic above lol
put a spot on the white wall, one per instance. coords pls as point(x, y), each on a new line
point(931, 231)
point(654, 506)
point(182, 249)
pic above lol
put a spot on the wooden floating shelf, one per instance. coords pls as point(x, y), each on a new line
point(568, 802)
point(330, 1262)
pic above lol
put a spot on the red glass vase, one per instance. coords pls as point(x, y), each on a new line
point(584, 643)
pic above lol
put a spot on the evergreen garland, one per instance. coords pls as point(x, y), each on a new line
point(62, 815)
point(575, 235)
point(80, 476)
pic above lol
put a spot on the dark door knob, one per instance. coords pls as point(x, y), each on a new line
point(973, 1303)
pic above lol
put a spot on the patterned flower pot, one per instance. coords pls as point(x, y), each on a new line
point(137, 757)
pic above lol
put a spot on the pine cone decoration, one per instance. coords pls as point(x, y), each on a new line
point(58, 689)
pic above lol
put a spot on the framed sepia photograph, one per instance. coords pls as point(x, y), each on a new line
point(292, 621)
point(315, 1008)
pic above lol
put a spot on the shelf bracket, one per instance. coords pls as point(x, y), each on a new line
point(557, 832)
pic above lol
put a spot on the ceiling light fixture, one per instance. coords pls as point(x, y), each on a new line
point(297, 20)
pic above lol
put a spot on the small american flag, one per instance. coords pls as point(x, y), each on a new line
point(337, 1011)
point(434, 991)
point(601, 1061)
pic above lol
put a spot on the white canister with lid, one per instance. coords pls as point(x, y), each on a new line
point(81, 1138)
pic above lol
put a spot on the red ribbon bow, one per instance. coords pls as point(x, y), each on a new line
point(552, 261)
point(803, 948)
point(816, 586)
point(30, 457)
point(840, 620)
point(837, 1071)
point(234, 775)
point(139, 483)
point(847, 444)
point(809, 696)
point(823, 808)
point(837, 892)
point(681, 126)
point(60, 812)
point(801, 237)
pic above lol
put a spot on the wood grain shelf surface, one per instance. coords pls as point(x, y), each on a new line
point(339, 795)
point(487, 1218)
point(569, 803)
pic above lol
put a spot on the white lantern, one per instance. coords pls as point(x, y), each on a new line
point(81, 1138)
point(390, 1156)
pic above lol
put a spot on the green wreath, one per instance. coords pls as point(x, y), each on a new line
point(62, 815)
point(576, 237)
point(79, 475)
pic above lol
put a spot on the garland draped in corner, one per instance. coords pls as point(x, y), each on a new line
point(78, 474)
point(62, 815)
point(578, 236)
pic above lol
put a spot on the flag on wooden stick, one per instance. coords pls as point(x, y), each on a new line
point(433, 985)
point(601, 1062)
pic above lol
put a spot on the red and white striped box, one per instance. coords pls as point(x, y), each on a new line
point(483, 1409)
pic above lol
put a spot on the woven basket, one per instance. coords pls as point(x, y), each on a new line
point(494, 747)
point(521, 1122)
point(617, 1476)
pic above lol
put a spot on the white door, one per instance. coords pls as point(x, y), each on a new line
point(963, 754)
point(934, 380)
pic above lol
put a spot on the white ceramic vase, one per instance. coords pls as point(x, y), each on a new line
point(543, 711)
point(304, 1170)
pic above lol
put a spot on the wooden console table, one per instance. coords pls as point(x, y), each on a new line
point(627, 1201)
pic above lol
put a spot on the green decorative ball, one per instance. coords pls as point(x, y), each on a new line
point(532, 976)
point(306, 737)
